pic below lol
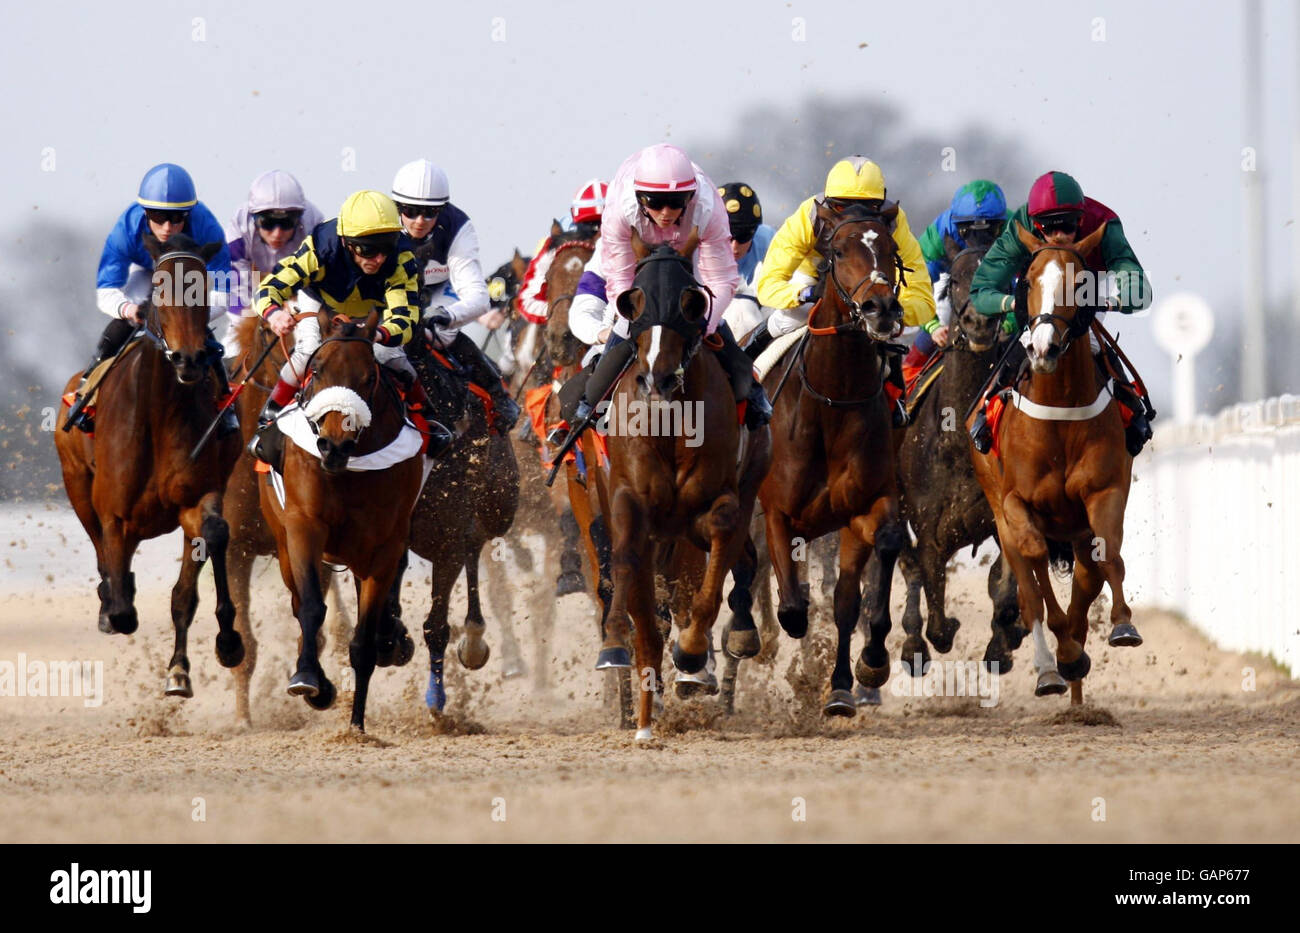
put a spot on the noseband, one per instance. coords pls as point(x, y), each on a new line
point(153, 324)
point(304, 397)
point(857, 320)
point(1073, 327)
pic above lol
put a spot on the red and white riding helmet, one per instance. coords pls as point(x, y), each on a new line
point(589, 201)
point(664, 168)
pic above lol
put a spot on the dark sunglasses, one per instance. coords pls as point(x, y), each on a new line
point(743, 237)
point(167, 217)
point(677, 200)
point(369, 250)
point(1059, 224)
point(278, 221)
point(419, 210)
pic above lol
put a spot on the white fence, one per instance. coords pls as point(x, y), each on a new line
point(1212, 529)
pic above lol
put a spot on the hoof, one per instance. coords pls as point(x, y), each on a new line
point(616, 658)
point(472, 654)
point(569, 582)
point(942, 636)
point(998, 664)
point(399, 653)
point(794, 620)
point(870, 676)
point(689, 663)
point(105, 625)
point(703, 683)
point(645, 735)
point(1076, 669)
point(866, 696)
point(514, 667)
point(435, 696)
point(740, 644)
point(124, 623)
point(230, 649)
point(1050, 683)
point(841, 703)
point(915, 657)
point(178, 683)
point(1125, 635)
point(325, 698)
point(304, 684)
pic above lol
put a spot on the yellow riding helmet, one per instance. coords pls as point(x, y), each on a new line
point(366, 213)
point(855, 177)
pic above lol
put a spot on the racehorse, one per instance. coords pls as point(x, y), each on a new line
point(832, 459)
point(250, 536)
point(940, 496)
point(667, 488)
point(135, 478)
point(360, 518)
point(1059, 470)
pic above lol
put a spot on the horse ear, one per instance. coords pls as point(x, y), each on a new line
point(325, 318)
point(1027, 239)
point(695, 305)
point(151, 245)
point(950, 247)
point(638, 246)
point(631, 303)
point(556, 229)
point(890, 214)
point(208, 250)
point(1089, 243)
point(372, 324)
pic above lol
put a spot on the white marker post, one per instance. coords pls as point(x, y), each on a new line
point(1183, 324)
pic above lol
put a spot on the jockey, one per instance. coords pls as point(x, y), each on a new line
point(973, 221)
point(585, 212)
point(855, 189)
point(453, 291)
point(354, 264)
point(1058, 213)
point(750, 238)
point(269, 226)
point(165, 206)
point(662, 197)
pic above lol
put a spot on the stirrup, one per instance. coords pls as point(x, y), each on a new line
point(899, 416)
point(558, 435)
point(981, 436)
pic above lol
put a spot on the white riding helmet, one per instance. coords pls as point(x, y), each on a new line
point(275, 190)
point(421, 182)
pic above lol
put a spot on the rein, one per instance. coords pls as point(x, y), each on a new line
point(303, 398)
point(1082, 320)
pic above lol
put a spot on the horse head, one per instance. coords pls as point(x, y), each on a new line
point(667, 311)
point(864, 270)
point(344, 376)
point(563, 348)
point(1055, 317)
point(978, 332)
point(177, 313)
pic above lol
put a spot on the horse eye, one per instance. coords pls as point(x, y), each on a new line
point(839, 253)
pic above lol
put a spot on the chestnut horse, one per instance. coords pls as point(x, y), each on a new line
point(832, 458)
point(134, 479)
point(1064, 471)
point(360, 518)
point(669, 487)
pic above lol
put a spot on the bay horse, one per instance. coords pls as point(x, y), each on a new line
point(360, 518)
point(940, 497)
point(832, 454)
point(665, 490)
point(1059, 470)
point(135, 480)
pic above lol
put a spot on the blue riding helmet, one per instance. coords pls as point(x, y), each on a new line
point(167, 187)
point(978, 200)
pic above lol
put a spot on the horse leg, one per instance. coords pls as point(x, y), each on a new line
point(1026, 551)
point(393, 644)
point(569, 579)
point(854, 554)
point(916, 653)
point(882, 530)
point(792, 610)
point(80, 486)
point(1007, 632)
point(185, 600)
point(436, 630)
point(940, 628)
point(1088, 581)
point(639, 587)
point(726, 534)
point(239, 573)
point(502, 603)
point(472, 650)
point(118, 548)
point(300, 565)
point(628, 558)
point(1106, 517)
point(740, 638)
point(372, 609)
point(216, 535)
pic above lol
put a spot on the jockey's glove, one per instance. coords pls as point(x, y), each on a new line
point(806, 295)
point(438, 318)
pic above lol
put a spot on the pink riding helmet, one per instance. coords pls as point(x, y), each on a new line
point(663, 167)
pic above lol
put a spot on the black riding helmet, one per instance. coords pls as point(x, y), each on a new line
point(744, 213)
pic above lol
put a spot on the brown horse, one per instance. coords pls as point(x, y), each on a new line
point(250, 536)
point(135, 479)
point(1064, 472)
point(833, 461)
point(669, 487)
point(360, 518)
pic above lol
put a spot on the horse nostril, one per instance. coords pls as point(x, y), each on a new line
point(323, 445)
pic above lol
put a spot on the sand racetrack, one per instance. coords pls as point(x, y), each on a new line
point(1171, 748)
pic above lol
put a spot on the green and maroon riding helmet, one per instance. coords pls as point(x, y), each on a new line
point(1056, 203)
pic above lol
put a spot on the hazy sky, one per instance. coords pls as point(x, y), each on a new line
point(1148, 120)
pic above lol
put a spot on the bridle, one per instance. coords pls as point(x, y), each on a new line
point(1066, 328)
point(857, 320)
point(153, 322)
point(304, 396)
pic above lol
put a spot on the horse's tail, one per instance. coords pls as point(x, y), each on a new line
point(1060, 556)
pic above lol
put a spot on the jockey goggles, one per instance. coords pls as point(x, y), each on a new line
point(281, 220)
point(658, 200)
point(429, 211)
point(367, 247)
point(1058, 223)
point(166, 217)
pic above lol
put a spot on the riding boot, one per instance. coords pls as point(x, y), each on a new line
point(110, 341)
point(485, 374)
point(413, 393)
point(981, 434)
point(267, 444)
point(229, 423)
point(740, 372)
point(895, 389)
point(758, 341)
point(617, 352)
point(1138, 431)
